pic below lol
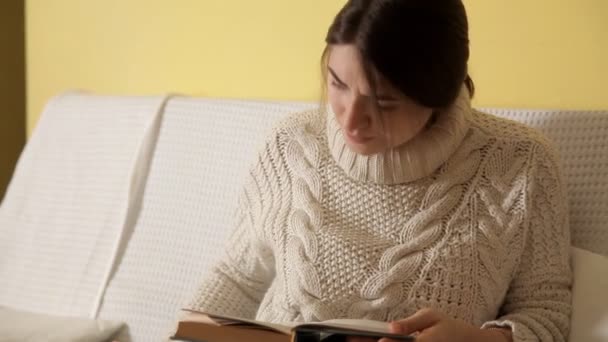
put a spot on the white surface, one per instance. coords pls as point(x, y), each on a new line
point(590, 297)
point(29, 327)
point(64, 211)
point(582, 141)
point(202, 155)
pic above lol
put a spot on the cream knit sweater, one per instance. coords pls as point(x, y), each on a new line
point(469, 218)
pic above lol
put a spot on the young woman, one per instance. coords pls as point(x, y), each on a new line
point(398, 201)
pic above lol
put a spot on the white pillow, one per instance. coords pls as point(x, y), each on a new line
point(589, 297)
point(30, 327)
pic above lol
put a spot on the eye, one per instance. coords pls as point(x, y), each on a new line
point(387, 106)
point(338, 85)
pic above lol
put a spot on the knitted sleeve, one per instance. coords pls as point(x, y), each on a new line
point(537, 306)
point(236, 285)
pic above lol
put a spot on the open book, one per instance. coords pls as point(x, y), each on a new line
point(206, 327)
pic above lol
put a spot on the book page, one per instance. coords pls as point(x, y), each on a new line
point(221, 320)
point(354, 324)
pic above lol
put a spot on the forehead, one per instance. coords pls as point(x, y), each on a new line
point(346, 62)
point(345, 58)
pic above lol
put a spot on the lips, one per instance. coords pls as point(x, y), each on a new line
point(358, 139)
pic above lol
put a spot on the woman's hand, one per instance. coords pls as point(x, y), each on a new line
point(429, 325)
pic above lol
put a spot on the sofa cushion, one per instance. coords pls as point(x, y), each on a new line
point(589, 297)
point(26, 326)
point(63, 215)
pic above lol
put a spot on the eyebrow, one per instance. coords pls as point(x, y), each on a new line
point(333, 74)
point(386, 98)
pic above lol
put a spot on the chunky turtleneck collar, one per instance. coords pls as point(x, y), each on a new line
point(415, 159)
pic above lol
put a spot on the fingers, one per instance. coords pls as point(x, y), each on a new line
point(419, 321)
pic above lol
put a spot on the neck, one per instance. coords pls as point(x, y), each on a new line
point(413, 160)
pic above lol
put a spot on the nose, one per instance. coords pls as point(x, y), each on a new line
point(357, 117)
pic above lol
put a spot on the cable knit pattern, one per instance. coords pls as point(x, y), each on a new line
point(479, 232)
point(303, 156)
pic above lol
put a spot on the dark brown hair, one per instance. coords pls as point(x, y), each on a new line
point(420, 46)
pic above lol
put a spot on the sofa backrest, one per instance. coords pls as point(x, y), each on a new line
point(581, 138)
point(64, 211)
point(200, 157)
point(202, 154)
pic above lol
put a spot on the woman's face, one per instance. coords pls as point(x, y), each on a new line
point(366, 130)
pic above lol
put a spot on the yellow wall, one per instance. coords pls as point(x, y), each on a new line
point(540, 53)
point(12, 87)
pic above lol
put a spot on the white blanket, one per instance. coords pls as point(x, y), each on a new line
point(63, 217)
point(31, 327)
point(203, 153)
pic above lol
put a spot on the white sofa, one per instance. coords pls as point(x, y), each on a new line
point(119, 204)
